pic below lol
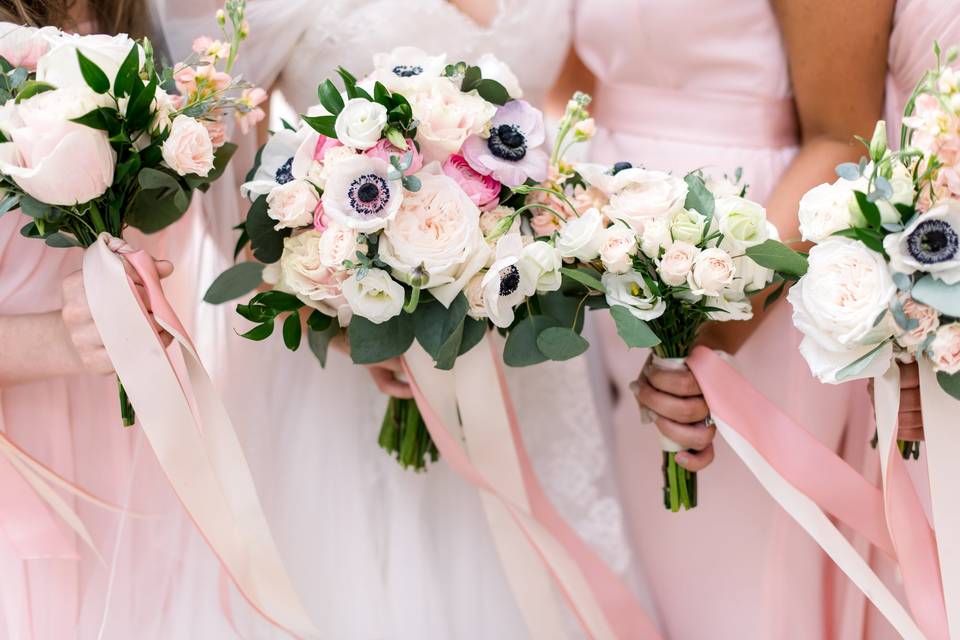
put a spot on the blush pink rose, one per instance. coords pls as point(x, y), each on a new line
point(945, 349)
point(483, 190)
point(384, 149)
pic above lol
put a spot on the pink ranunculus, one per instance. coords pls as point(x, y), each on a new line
point(324, 144)
point(483, 190)
point(384, 149)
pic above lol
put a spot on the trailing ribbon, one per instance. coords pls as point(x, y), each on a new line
point(495, 461)
point(188, 429)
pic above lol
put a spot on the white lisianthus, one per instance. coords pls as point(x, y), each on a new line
point(508, 282)
point(376, 297)
point(836, 305)
point(931, 243)
point(824, 210)
point(188, 149)
point(360, 123)
point(543, 262)
point(712, 272)
point(618, 245)
point(360, 194)
point(61, 67)
point(302, 272)
point(492, 68)
point(438, 228)
point(292, 204)
point(945, 349)
point(629, 290)
point(675, 265)
point(742, 222)
point(581, 237)
point(903, 192)
point(405, 67)
point(637, 195)
point(656, 236)
point(688, 226)
point(447, 117)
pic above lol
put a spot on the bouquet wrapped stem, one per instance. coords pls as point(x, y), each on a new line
point(404, 435)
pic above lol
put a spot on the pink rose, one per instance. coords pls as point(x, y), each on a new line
point(483, 190)
point(384, 149)
point(188, 148)
point(945, 349)
point(324, 144)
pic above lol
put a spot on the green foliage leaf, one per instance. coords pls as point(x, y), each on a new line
point(561, 343)
point(138, 109)
point(31, 88)
point(259, 332)
point(473, 333)
point(93, 75)
point(698, 196)
point(324, 125)
point(775, 255)
point(492, 91)
point(635, 332)
point(9, 203)
point(943, 297)
point(33, 208)
point(870, 211)
point(565, 309)
point(857, 366)
point(319, 339)
point(236, 281)
point(61, 241)
point(439, 330)
point(160, 202)
point(371, 343)
point(156, 179)
point(128, 72)
point(221, 158)
point(774, 295)
point(471, 77)
point(267, 242)
point(330, 97)
point(950, 383)
point(521, 349)
point(101, 118)
point(279, 301)
point(585, 278)
point(292, 331)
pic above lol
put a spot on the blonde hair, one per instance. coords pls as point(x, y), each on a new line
point(108, 16)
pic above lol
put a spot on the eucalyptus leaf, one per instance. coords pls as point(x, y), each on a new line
point(584, 278)
point(848, 171)
point(61, 241)
point(775, 255)
point(699, 197)
point(561, 343)
point(435, 324)
point(884, 188)
point(635, 332)
point(266, 242)
point(943, 297)
point(9, 203)
point(371, 343)
point(857, 367)
point(236, 281)
point(521, 348)
point(319, 341)
point(473, 333)
point(33, 208)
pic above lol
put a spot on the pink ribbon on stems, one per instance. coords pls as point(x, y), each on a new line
point(188, 429)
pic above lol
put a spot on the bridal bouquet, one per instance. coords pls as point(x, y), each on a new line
point(95, 137)
point(372, 216)
point(884, 276)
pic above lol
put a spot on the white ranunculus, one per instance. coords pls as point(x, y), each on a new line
point(656, 236)
point(688, 226)
point(376, 297)
point(304, 274)
point(712, 272)
point(618, 245)
point(507, 283)
point(404, 68)
point(742, 222)
point(360, 123)
point(824, 210)
point(360, 194)
point(492, 68)
point(54, 160)
point(675, 265)
point(638, 195)
point(837, 303)
point(447, 117)
point(22, 46)
point(292, 204)
point(61, 68)
point(931, 244)
point(629, 290)
point(436, 228)
point(581, 237)
point(543, 262)
point(188, 149)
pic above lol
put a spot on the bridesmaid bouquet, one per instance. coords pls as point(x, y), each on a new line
point(884, 275)
point(378, 215)
point(95, 137)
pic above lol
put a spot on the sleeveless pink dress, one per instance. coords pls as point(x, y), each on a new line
point(682, 85)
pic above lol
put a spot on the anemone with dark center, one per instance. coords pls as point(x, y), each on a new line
point(933, 242)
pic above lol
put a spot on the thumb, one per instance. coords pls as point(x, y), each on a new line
point(164, 267)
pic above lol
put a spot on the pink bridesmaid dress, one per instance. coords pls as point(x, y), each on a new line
point(682, 85)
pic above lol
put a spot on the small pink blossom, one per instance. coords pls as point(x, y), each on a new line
point(320, 220)
point(483, 190)
point(217, 131)
point(186, 79)
point(250, 99)
point(209, 75)
point(384, 149)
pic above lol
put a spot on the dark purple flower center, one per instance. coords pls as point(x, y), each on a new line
point(368, 194)
point(407, 71)
point(932, 242)
point(285, 172)
point(507, 142)
point(621, 166)
point(509, 280)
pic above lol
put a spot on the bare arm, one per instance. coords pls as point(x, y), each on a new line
point(575, 76)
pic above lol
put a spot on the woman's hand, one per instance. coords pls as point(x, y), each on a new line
point(386, 375)
point(674, 395)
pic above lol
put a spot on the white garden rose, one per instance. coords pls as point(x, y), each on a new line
point(931, 244)
point(338, 244)
point(723, 187)
point(436, 228)
point(188, 149)
point(360, 123)
point(542, 261)
point(492, 68)
point(638, 195)
point(303, 273)
point(688, 226)
point(945, 349)
point(824, 210)
point(581, 237)
point(447, 117)
point(22, 46)
point(61, 68)
point(836, 305)
point(675, 265)
point(742, 222)
point(656, 236)
point(750, 275)
point(629, 290)
point(292, 204)
point(404, 68)
point(376, 297)
point(618, 245)
point(712, 272)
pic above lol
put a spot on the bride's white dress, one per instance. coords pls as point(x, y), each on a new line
point(378, 552)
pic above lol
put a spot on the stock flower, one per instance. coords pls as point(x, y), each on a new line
point(629, 290)
point(513, 151)
point(217, 131)
point(483, 190)
point(210, 48)
point(250, 113)
point(377, 297)
point(931, 243)
point(188, 149)
point(581, 237)
point(507, 283)
point(447, 117)
point(618, 245)
point(712, 272)
point(945, 349)
point(360, 123)
point(359, 194)
point(292, 204)
point(675, 265)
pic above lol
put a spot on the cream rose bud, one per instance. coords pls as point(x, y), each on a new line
point(931, 243)
point(742, 222)
point(945, 349)
point(61, 67)
point(292, 204)
point(618, 245)
point(543, 263)
point(823, 211)
point(491, 68)
point(688, 226)
point(637, 195)
point(188, 149)
point(377, 297)
point(656, 236)
point(676, 263)
point(712, 272)
point(580, 238)
point(473, 292)
point(927, 318)
point(360, 123)
point(629, 290)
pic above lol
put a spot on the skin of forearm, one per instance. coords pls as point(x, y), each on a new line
point(34, 347)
